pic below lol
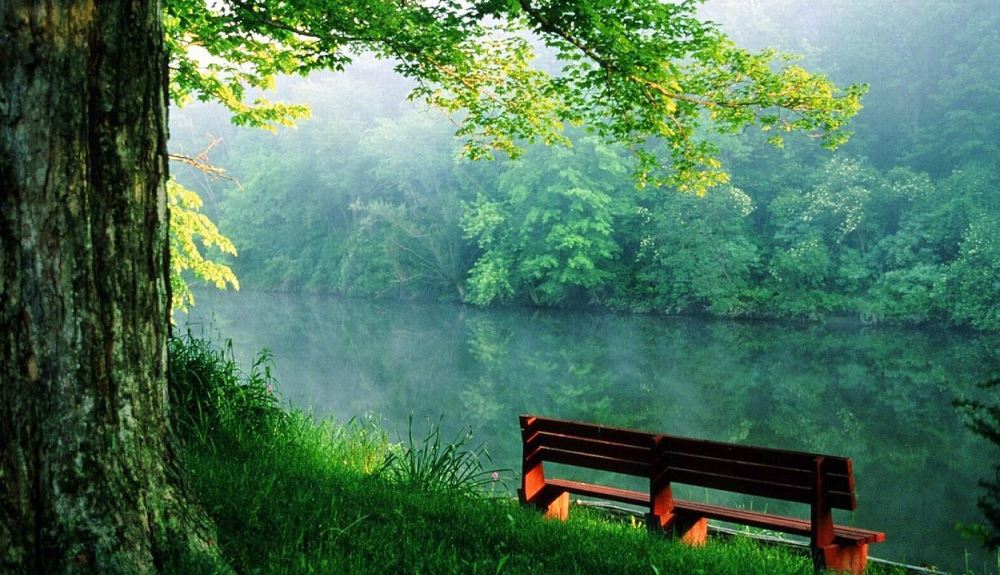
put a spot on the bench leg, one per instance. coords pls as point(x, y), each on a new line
point(850, 558)
point(554, 504)
point(558, 508)
point(690, 530)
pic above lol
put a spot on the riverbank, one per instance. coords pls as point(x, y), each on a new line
point(290, 494)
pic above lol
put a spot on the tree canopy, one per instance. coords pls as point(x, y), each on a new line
point(646, 74)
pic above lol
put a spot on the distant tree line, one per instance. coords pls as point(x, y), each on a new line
point(901, 224)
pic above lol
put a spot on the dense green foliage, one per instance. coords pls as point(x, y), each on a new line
point(637, 72)
point(370, 199)
point(293, 495)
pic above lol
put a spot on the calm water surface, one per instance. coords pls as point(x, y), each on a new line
point(881, 396)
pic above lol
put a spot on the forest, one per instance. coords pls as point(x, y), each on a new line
point(375, 199)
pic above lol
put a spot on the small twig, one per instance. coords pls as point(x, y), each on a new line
point(201, 163)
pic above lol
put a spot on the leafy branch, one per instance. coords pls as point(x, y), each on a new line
point(642, 73)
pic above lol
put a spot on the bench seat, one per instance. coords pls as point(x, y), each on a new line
point(843, 535)
point(601, 491)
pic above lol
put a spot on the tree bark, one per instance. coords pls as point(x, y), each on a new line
point(88, 483)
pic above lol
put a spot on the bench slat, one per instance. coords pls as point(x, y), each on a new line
point(591, 490)
point(858, 534)
point(614, 465)
point(592, 446)
point(588, 431)
point(759, 455)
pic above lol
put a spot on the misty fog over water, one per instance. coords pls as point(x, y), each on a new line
point(881, 396)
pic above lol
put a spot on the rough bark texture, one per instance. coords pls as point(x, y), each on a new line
point(87, 482)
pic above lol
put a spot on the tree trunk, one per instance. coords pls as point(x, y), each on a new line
point(88, 483)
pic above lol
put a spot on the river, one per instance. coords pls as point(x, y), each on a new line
point(880, 395)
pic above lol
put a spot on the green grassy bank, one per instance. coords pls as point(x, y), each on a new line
point(290, 494)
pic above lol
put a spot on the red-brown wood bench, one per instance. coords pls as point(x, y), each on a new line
point(823, 482)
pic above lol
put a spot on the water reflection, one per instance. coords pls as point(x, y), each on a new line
point(880, 396)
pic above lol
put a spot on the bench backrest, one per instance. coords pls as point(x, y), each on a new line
point(760, 471)
point(586, 445)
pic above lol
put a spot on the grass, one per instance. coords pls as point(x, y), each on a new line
point(434, 465)
point(290, 494)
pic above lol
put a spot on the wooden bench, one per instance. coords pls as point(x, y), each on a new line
point(823, 482)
